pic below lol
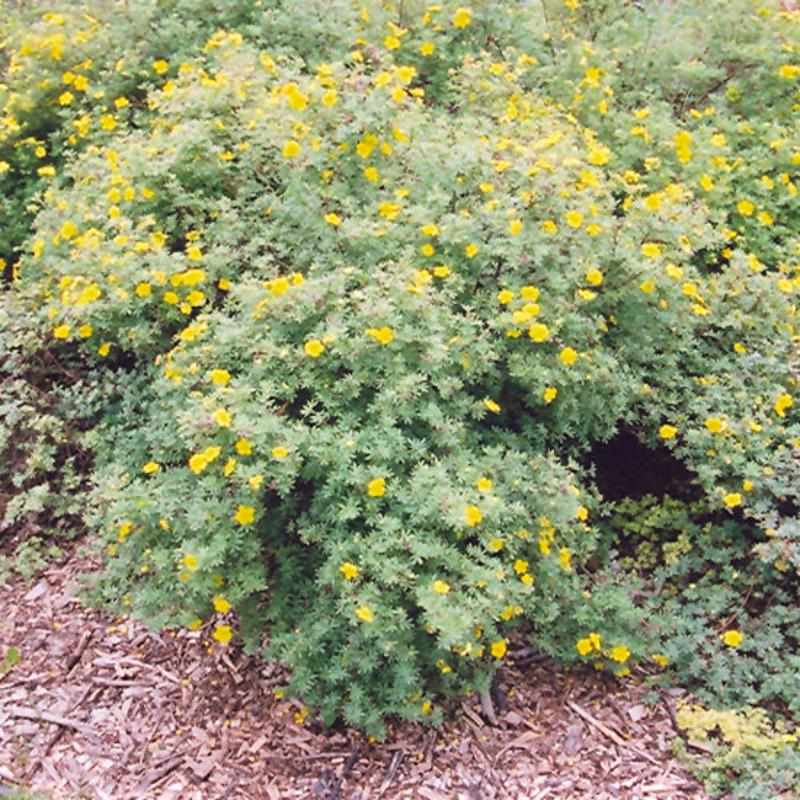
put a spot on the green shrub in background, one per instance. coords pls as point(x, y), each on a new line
point(346, 322)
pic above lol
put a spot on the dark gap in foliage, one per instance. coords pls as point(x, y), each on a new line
point(626, 467)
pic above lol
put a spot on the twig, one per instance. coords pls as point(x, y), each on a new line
point(46, 716)
point(519, 742)
point(389, 777)
point(53, 740)
point(673, 719)
point(735, 614)
point(73, 660)
point(107, 661)
point(348, 768)
point(120, 683)
point(156, 775)
point(581, 712)
point(144, 748)
point(615, 737)
point(487, 706)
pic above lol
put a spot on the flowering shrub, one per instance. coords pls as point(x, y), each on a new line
point(376, 303)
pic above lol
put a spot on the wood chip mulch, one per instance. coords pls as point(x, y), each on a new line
point(104, 708)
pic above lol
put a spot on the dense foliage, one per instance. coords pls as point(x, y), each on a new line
point(317, 314)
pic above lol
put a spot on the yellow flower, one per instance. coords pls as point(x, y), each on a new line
point(243, 447)
point(333, 219)
point(68, 230)
point(371, 174)
point(221, 604)
point(194, 253)
point(349, 571)
point(245, 515)
point(220, 376)
point(574, 219)
point(222, 418)
point(620, 654)
point(594, 277)
point(515, 227)
point(383, 335)
point(364, 613)
point(539, 332)
point(61, 332)
point(440, 587)
point(732, 638)
point(549, 394)
point(376, 487)
point(765, 218)
point(427, 48)
point(505, 296)
point(733, 499)
point(651, 250)
point(150, 467)
point(499, 648)
point(483, 484)
point(496, 545)
point(199, 461)
point(745, 208)
point(314, 348)
point(124, 530)
point(667, 432)
point(160, 66)
point(472, 515)
point(715, 424)
point(492, 406)
point(568, 356)
point(430, 229)
point(291, 149)
point(279, 452)
point(190, 562)
point(471, 250)
point(223, 634)
point(584, 646)
point(782, 403)
point(389, 210)
point(462, 17)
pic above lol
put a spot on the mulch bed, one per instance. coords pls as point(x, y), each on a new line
point(105, 708)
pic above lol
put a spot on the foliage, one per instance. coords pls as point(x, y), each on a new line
point(752, 757)
point(701, 583)
point(342, 305)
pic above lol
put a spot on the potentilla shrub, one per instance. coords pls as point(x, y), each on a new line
point(377, 323)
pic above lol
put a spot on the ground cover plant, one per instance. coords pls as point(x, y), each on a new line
point(332, 313)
